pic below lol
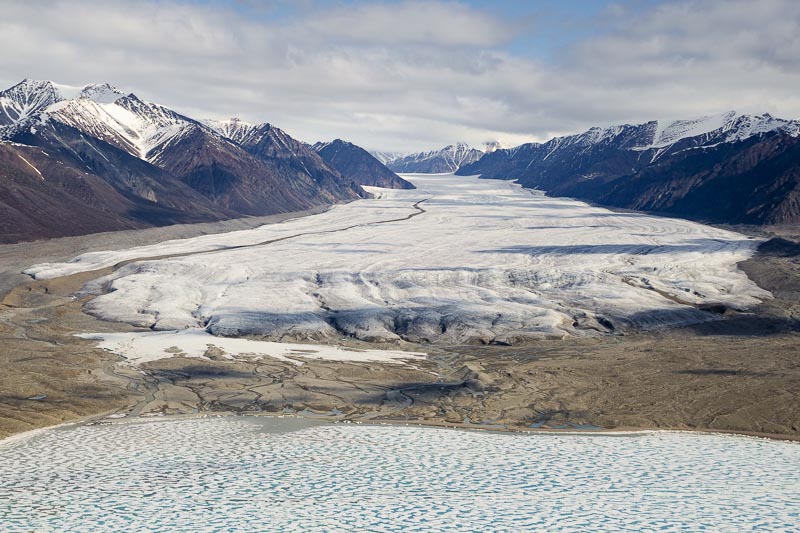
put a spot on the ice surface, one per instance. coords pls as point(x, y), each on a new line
point(236, 474)
point(486, 260)
point(150, 346)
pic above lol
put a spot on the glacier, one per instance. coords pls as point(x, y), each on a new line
point(457, 260)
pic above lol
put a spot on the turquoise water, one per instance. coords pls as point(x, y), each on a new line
point(246, 474)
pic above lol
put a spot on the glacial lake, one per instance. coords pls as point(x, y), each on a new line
point(271, 474)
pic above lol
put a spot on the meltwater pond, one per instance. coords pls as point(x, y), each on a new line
point(260, 474)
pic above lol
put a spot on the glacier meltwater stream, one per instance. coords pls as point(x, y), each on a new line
point(271, 474)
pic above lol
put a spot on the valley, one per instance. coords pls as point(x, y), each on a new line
point(680, 364)
point(400, 266)
point(455, 260)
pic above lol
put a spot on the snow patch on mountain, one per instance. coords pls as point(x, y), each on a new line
point(133, 125)
point(720, 128)
point(26, 98)
point(387, 157)
point(31, 165)
point(30, 97)
point(98, 110)
point(447, 160)
point(102, 93)
point(234, 129)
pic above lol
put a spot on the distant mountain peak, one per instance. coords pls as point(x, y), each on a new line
point(234, 128)
point(387, 157)
point(102, 93)
point(317, 146)
point(358, 164)
point(31, 97)
point(442, 161)
point(103, 159)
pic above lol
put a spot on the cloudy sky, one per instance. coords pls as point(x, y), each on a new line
point(409, 75)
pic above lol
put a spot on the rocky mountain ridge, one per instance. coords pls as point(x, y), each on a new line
point(352, 160)
point(727, 168)
point(443, 161)
point(83, 159)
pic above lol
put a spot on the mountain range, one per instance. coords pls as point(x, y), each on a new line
point(76, 160)
point(448, 159)
point(726, 168)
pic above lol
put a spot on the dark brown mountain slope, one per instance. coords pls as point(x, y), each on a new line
point(102, 160)
point(358, 164)
point(52, 193)
point(752, 182)
point(278, 179)
point(744, 171)
point(290, 156)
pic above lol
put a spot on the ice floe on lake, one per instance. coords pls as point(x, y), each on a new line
point(244, 474)
point(458, 259)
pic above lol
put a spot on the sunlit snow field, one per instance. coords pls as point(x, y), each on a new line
point(238, 474)
point(457, 259)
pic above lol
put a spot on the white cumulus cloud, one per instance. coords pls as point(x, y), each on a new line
point(411, 75)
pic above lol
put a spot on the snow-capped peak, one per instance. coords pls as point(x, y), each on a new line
point(459, 154)
point(102, 93)
point(26, 99)
point(447, 159)
point(660, 135)
point(136, 126)
point(723, 127)
point(97, 109)
point(234, 129)
point(30, 97)
point(670, 132)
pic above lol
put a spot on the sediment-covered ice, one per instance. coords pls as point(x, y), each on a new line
point(238, 474)
point(457, 259)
